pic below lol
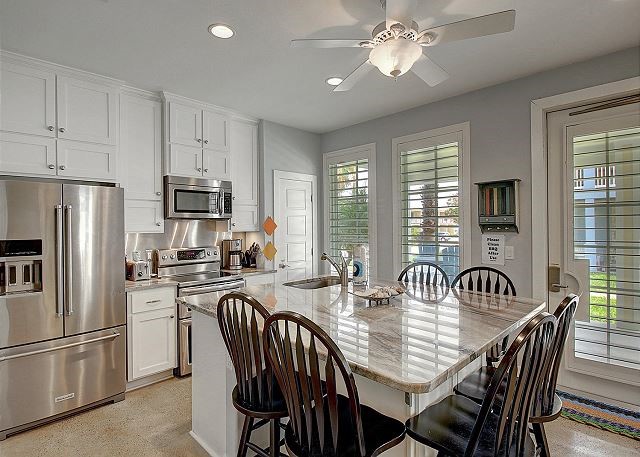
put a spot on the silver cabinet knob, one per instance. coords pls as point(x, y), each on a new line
point(206, 170)
point(199, 140)
point(171, 317)
point(158, 193)
point(233, 224)
point(50, 128)
point(62, 167)
point(158, 224)
point(61, 129)
point(206, 141)
point(51, 166)
point(199, 169)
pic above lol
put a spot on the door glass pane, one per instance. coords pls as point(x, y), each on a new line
point(606, 232)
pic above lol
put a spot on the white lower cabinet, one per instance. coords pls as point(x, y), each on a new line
point(152, 344)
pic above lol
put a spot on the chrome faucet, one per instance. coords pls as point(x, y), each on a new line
point(343, 269)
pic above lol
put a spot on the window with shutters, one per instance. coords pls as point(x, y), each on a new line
point(350, 202)
point(429, 198)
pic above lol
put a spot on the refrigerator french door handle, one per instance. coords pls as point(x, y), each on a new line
point(68, 262)
point(59, 262)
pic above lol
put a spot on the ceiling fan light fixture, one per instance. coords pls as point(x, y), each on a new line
point(221, 31)
point(395, 56)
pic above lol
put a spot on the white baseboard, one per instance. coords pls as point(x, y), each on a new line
point(148, 380)
point(206, 448)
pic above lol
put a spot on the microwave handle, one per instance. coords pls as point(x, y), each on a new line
point(221, 203)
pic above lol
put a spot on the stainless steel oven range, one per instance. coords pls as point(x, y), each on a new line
point(197, 271)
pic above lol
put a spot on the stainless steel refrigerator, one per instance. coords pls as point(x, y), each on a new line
point(62, 301)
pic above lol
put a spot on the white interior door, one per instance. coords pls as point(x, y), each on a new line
point(594, 246)
point(294, 213)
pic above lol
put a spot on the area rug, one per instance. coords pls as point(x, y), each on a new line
point(607, 417)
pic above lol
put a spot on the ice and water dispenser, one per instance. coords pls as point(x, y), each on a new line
point(20, 266)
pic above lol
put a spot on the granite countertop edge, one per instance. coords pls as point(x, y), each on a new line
point(153, 283)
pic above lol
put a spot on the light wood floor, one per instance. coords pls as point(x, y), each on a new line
point(155, 421)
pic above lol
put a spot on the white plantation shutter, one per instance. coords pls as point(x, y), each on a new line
point(429, 191)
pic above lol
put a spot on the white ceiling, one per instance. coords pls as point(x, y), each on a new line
point(164, 45)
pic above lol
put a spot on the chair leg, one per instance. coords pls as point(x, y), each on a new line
point(246, 435)
point(274, 432)
point(541, 439)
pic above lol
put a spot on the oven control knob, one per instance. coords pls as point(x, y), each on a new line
point(208, 252)
point(172, 256)
point(164, 257)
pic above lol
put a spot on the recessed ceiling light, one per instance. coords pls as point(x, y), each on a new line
point(221, 30)
point(334, 81)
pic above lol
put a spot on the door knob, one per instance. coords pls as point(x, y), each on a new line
point(61, 129)
point(50, 128)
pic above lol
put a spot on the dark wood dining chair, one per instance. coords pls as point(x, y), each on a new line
point(548, 405)
point(303, 356)
point(492, 281)
point(256, 395)
point(424, 273)
point(458, 426)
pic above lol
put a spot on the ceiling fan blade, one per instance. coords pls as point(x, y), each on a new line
point(355, 76)
point(401, 11)
point(429, 71)
point(322, 43)
point(490, 24)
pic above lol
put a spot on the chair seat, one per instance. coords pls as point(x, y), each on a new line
point(447, 425)
point(556, 409)
point(380, 433)
point(474, 386)
point(269, 408)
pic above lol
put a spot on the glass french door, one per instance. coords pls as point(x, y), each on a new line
point(594, 245)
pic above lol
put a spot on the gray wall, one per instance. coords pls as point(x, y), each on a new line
point(288, 149)
point(500, 144)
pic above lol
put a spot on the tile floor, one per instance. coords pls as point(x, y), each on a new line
point(155, 421)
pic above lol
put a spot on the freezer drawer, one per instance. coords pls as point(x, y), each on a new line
point(45, 379)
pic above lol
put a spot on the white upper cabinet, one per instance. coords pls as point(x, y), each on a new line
point(215, 130)
point(185, 161)
point(86, 111)
point(244, 162)
point(185, 124)
point(79, 160)
point(27, 154)
point(28, 100)
point(141, 147)
point(215, 164)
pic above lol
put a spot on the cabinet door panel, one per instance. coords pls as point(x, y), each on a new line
point(86, 111)
point(244, 219)
point(215, 130)
point(154, 342)
point(28, 100)
point(27, 155)
point(185, 124)
point(244, 162)
point(140, 147)
point(216, 164)
point(185, 160)
point(143, 216)
point(93, 162)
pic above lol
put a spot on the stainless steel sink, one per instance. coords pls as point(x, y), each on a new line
point(314, 283)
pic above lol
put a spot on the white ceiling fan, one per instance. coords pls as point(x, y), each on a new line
point(397, 45)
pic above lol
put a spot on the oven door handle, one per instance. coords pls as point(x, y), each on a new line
point(185, 292)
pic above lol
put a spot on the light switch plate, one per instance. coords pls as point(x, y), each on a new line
point(508, 253)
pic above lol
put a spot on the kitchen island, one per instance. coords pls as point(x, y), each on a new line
point(405, 355)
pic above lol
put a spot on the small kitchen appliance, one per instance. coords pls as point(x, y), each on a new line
point(197, 198)
point(232, 254)
point(197, 271)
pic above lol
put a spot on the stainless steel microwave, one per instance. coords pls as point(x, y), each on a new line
point(197, 198)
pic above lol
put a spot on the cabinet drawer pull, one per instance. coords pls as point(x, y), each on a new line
point(171, 317)
point(61, 129)
point(206, 170)
point(50, 128)
point(158, 224)
point(199, 169)
point(151, 302)
point(51, 166)
point(206, 141)
point(62, 167)
point(199, 140)
point(158, 193)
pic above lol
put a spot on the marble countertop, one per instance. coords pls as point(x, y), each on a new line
point(415, 343)
point(153, 283)
point(244, 272)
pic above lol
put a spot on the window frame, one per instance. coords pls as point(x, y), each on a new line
point(462, 131)
point(368, 152)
